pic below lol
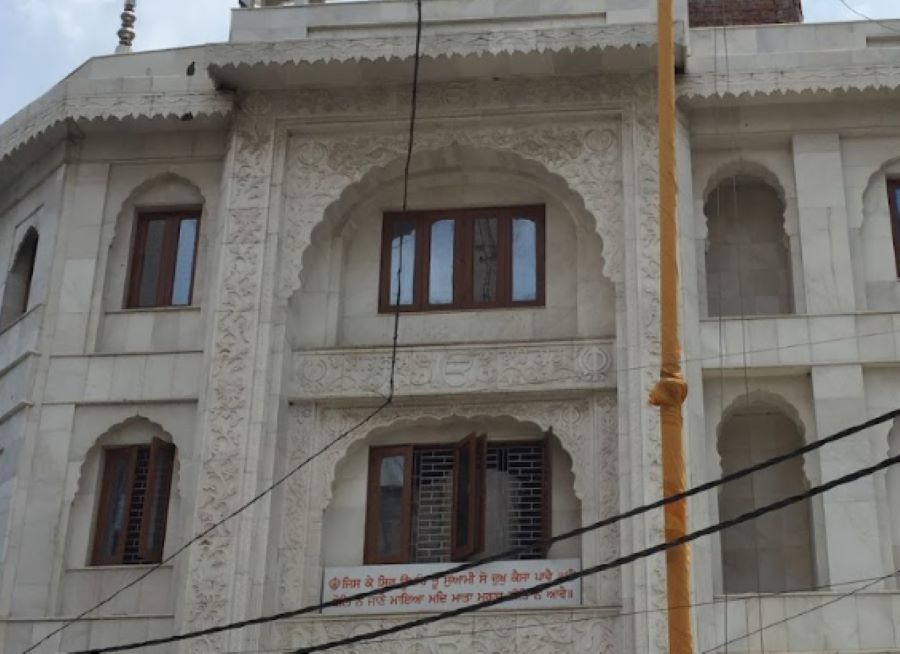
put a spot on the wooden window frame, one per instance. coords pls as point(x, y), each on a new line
point(158, 449)
point(168, 257)
point(373, 508)
point(477, 499)
point(893, 188)
point(463, 259)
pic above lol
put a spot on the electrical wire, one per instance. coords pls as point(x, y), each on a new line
point(856, 11)
point(605, 613)
point(340, 437)
point(539, 545)
point(615, 563)
point(834, 600)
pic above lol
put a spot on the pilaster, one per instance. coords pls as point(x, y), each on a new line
point(231, 424)
point(824, 235)
point(851, 526)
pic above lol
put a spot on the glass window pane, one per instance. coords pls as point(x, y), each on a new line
point(463, 493)
point(117, 469)
point(184, 262)
point(524, 260)
point(440, 287)
point(403, 261)
point(153, 245)
point(390, 505)
point(484, 277)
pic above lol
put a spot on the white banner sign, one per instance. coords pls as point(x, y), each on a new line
point(450, 591)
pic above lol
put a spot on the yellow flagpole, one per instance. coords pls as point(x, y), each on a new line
point(670, 392)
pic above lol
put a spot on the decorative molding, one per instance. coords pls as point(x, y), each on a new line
point(66, 102)
point(585, 427)
point(321, 167)
point(496, 41)
point(225, 417)
point(789, 81)
point(441, 370)
point(578, 631)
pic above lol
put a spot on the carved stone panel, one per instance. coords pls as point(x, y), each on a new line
point(585, 427)
point(437, 370)
point(323, 163)
point(570, 631)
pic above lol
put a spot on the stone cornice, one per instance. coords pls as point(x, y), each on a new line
point(80, 100)
point(793, 81)
point(459, 44)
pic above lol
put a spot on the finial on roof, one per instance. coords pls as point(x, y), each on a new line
point(126, 32)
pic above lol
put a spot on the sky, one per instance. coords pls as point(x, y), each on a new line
point(42, 41)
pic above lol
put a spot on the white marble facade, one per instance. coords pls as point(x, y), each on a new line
point(291, 138)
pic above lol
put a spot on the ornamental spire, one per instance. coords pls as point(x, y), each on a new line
point(126, 32)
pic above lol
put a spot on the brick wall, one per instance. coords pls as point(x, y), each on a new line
point(705, 13)
point(515, 479)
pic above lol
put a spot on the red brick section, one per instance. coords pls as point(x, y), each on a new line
point(707, 13)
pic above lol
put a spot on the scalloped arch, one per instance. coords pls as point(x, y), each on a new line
point(360, 437)
point(110, 433)
point(764, 399)
point(579, 164)
point(132, 200)
point(745, 168)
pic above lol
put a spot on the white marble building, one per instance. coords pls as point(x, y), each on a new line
point(195, 300)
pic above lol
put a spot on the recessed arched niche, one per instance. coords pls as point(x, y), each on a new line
point(337, 303)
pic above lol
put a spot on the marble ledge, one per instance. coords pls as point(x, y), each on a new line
point(454, 369)
point(103, 378)
point(800, 341)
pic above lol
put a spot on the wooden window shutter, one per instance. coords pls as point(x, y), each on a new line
point(156, 501)
point(389, 505)
point(117, 485)
point(467, 519)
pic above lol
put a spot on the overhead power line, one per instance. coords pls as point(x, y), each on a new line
point(615, 563)
point(536, 546)
point(856, 11)
point(609, 614)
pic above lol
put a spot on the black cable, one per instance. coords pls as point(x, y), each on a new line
point(615, 563)
point(381, 407)
point(414, 95)
point(608, 613)
point(536, 546)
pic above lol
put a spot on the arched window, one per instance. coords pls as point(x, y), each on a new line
point(18, 281)
point(774, 552)
point(748, 263)
point(893, 186)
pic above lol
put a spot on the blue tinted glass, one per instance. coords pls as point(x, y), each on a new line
point(524, 260)
point(184, 262)
point(403, 261)
point(440, 280)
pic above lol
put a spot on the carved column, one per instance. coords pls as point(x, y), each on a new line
point(645, 580)
point(230, 427)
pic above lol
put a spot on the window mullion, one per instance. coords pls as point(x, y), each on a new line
point(421, 263)
point(167, 262)
point(504, 259)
